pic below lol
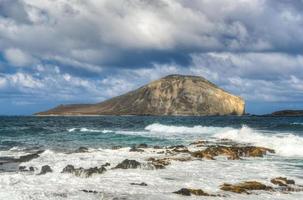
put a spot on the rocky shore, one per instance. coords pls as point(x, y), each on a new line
point(160, 158)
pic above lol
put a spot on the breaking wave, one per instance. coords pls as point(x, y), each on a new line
point(160, 128)
point(284, 144)
point(88, 130)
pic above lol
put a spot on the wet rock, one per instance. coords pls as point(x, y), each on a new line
point(106, 165)
point(245, 187)
point(159, 163)
point(128, 164)
point(139, 184)
point(199, 143)
point(90, 191)
point(116, 147)
point(282, 181)
point(142, 146)
point(189, 192)
point(286, 185)
point(28, 157)
point(232, 152)
point(24, 169)
point(135, 149)
point(45, 169)
point(82, 150)
point(157, 147)
point(180, 150)
point(84, 172)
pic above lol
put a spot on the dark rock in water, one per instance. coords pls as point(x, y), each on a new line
point(27, 158)
point(116, 147)
point(68, 169)
point(233, 152)
point(245, 187)
point(199, 143)
point(180, 149)
point(142, 146)
point(159, 163)
point(82, 150)
point(128, 164)
point(282, 181)
point(23, 169)
point(45, 169)
point(172, 95)
point(139, 184)
point(135, 149)
point(90, 191)
point(189, 192)
point(106, 165)
point(84, 172)
point(11, 164)
point(157, 147)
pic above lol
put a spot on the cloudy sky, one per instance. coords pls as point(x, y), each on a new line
point(70, 51)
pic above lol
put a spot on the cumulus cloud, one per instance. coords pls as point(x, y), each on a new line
point(18, 58)
point(102, 48)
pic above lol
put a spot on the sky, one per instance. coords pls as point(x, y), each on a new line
point(85, 51)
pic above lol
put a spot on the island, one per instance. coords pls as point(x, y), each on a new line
point(175, 95)
point(287, 113)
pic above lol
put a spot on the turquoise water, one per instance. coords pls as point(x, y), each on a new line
point(72, 132)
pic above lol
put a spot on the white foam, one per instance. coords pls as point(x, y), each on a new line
point(297, 123)
point(284, 144)
point(207, 175)
point(88, 130)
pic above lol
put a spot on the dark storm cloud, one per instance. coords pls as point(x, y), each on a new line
point(13, 9)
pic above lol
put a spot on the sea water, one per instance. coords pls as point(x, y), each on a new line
point(60, 136)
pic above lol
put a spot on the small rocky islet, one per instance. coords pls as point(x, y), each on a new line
point(200, 150)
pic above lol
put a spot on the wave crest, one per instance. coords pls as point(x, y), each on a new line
point(284, 144)
point(88, 130)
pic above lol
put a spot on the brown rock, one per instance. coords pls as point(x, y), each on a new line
point(189, 192)
point(159, 163)
point(232, 153)
point(245, 187)
point(282, 181)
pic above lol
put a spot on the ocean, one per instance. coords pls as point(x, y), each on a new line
point(108, 139)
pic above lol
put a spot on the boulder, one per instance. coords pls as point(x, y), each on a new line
point(82, 150)
point(142, 146)
point(159, 163)
point(245, 187)
point(135, 149)
point(139, 184)
point(128, 164)
point(84, 172)
point(189, 192)
point(232, 152)
point(282, 181)
point(45, 169)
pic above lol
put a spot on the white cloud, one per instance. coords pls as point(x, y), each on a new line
point(17, 57)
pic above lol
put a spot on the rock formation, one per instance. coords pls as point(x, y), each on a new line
point(171, 95)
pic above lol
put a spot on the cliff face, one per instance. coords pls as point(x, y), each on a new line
point(171, 95)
